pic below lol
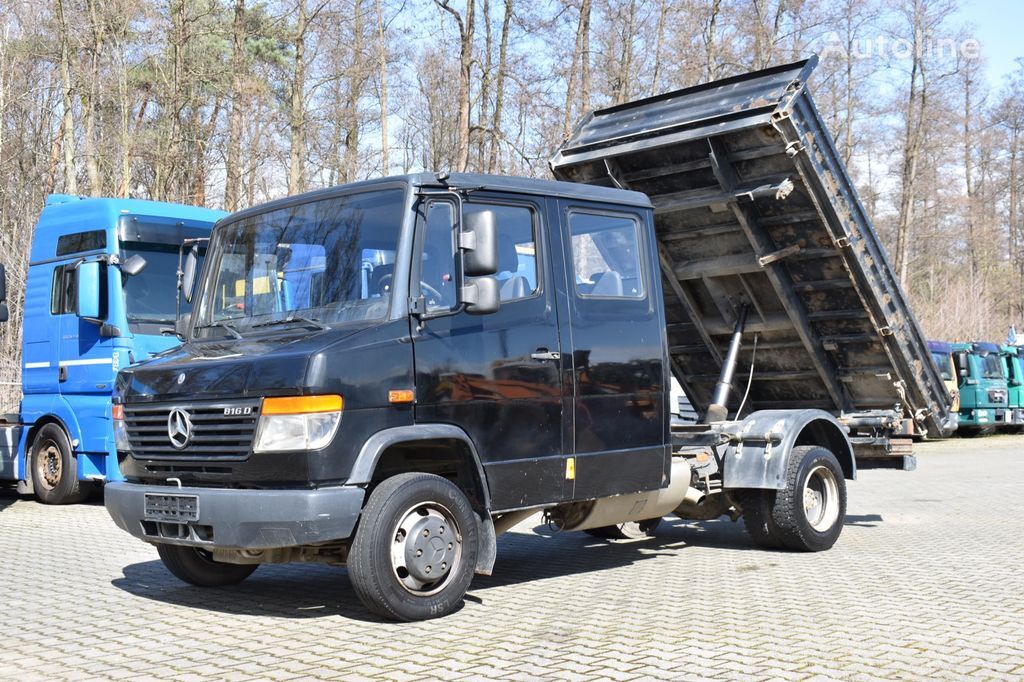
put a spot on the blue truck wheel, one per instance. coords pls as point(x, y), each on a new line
point(55, 469)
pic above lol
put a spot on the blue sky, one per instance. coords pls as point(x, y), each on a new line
point(998, 24)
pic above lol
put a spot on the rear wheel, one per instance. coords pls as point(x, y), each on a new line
point(55, 469)
point(414, 553)
point(197, 567)
point(629, 530)
point(757, 516)
point(809, 513)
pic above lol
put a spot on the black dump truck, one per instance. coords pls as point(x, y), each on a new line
point(390, 374)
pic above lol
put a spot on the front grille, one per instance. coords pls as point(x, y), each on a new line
point(220, 430)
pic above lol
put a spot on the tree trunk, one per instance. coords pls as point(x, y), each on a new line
point(382, 71)
point(466, 29)
point(297, 109)
point(67, 121)
point(499, 90)
point(233, 161)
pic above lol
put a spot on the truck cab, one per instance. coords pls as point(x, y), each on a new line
point(1013, 365)
point(942, 356)
point(100, 294)
point(983, 388)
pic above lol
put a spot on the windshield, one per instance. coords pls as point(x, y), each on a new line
point(326, 261)
point(942, 361)
point(991, 366)
point(150, 297)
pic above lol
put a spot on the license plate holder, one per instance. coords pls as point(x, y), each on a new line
point(171, 508)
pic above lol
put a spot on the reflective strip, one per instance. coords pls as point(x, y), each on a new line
point(36, 365)
point(90, 361)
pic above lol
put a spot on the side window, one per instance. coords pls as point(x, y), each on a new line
point(517, 249)
point(606, 255)
point(57, 291)
point(437, 267)
point(62, 290)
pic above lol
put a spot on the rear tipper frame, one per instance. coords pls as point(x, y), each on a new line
point(760, 230)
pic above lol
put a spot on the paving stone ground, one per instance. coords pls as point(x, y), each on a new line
point(927, 581)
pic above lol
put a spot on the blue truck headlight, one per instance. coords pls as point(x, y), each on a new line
point(298, 423)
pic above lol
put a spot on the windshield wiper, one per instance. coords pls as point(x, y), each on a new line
point(226, 326)
point(312, 322)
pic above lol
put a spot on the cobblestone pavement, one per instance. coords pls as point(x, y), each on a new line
point(926, 581)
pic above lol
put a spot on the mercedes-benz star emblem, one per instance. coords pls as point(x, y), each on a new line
point(179, 428)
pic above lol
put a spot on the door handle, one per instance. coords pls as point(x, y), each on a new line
point(545, 354)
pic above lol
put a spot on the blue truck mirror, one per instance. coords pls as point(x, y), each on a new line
point(3, 283)
point(188, 273)
point(88, 287)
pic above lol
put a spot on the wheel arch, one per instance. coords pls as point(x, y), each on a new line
point(762, 444)
point(832, 437)
point(424, 447)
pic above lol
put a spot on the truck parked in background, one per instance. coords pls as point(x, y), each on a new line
point(374, 375)
point(100, 294)
point(983, 389)
point(1013, 366)
point(942, 356)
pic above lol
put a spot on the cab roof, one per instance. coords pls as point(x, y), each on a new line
point(478, 181)
point(66, 214)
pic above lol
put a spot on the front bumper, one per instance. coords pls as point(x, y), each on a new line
point(241, 519)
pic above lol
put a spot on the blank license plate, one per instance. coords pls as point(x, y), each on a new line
point(172, 508)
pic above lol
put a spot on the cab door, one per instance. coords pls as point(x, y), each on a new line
point(496, 376)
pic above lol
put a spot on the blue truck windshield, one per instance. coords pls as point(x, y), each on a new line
point(327, 261)
point(150, 297)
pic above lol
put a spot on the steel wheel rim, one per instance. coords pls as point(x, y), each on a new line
point(426, 549)
point(821, 499)
point(49, 465)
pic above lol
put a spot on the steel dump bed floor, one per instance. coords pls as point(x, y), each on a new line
point(754, 207)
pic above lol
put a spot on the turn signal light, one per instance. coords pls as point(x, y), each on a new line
point(302, 404)
point(117, 411)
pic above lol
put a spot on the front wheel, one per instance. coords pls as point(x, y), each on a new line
point(55, 469)
point(415, 551)
point(197, 567)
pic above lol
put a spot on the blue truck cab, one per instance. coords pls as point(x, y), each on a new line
point(100, 294)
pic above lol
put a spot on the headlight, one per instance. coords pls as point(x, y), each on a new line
point(298, 423)
point(120, 432)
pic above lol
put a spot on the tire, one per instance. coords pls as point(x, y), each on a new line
point(757, 517)
point(405, 515)
point(813, 472)
point(975, 431)
point(630, 530)
point(197, 567)
point(55, 468)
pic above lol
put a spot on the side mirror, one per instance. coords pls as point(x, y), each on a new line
point(88, 287)
point(481, 296)
point(188, 273)
point(479, 243)
point(134, 265)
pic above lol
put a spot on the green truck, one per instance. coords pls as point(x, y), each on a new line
point(1013, 367)
point(983, 387)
